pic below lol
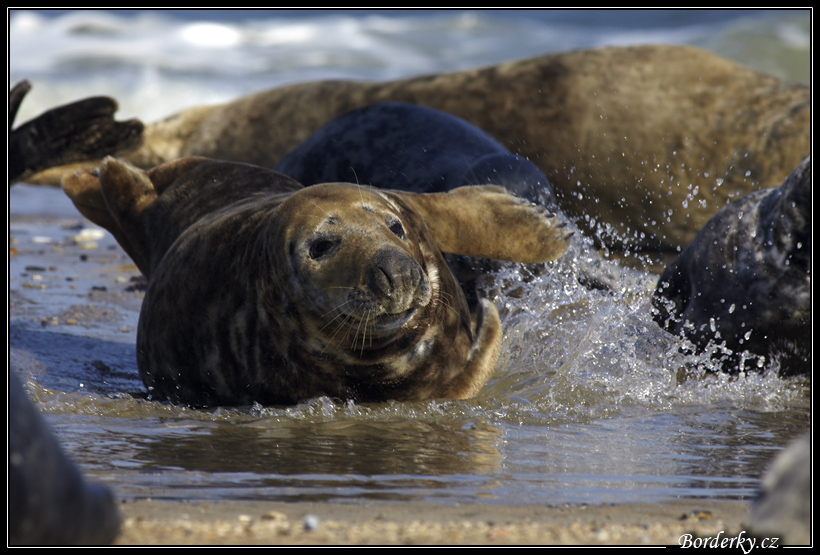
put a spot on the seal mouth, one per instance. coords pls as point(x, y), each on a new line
point(391, 322)
point(365, 328)
point(374, 320)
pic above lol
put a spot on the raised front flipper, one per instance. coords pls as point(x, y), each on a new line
point(487, 222)
point(114, 196)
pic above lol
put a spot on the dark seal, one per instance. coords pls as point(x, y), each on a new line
point(260, 289)
point(746, 278)
point(49, 502)
point(394, 145)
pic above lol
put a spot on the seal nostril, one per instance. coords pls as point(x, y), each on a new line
point(394, 274)
point(385, 280)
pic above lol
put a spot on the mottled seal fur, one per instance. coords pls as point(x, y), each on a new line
point(411, 148)
point(650, 141)
point(746, 278)
point(262, 290)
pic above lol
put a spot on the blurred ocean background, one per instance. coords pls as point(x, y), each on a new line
point(158, 62)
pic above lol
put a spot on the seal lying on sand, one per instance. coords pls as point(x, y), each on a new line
point(651, 140)
point(260, 289)
point(746, 278)
point(402, 146)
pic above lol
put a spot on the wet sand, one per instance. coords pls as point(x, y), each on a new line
point(148, 522)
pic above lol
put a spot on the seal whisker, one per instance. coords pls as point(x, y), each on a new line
point(337, 316)
point(358, 328)
point(445, 299)
point(358, 185)
point(364, 332)
point(347, 316)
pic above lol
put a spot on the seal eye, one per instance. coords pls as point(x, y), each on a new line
point(397, 229)
point(322, 247)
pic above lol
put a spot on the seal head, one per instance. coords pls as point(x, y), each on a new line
point(745, 280)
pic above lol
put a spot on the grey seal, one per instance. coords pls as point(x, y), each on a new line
point(746, 277)
point(262, 290)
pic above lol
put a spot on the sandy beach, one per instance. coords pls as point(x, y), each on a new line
point(148, 522)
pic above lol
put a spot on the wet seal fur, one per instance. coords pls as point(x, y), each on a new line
point(260, 289)
point(745, 280)
point(403, 146)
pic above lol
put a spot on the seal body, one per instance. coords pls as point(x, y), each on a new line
point(262, 290)
point(412, 148)
point(746, 277)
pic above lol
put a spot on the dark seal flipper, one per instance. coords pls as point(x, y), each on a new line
point(746, 278)
point(74, 132)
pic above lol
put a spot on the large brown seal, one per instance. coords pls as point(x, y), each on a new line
point(649, 140)
point(260, 289)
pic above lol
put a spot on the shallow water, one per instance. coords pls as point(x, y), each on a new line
point(587, 404)
point(591, 402)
